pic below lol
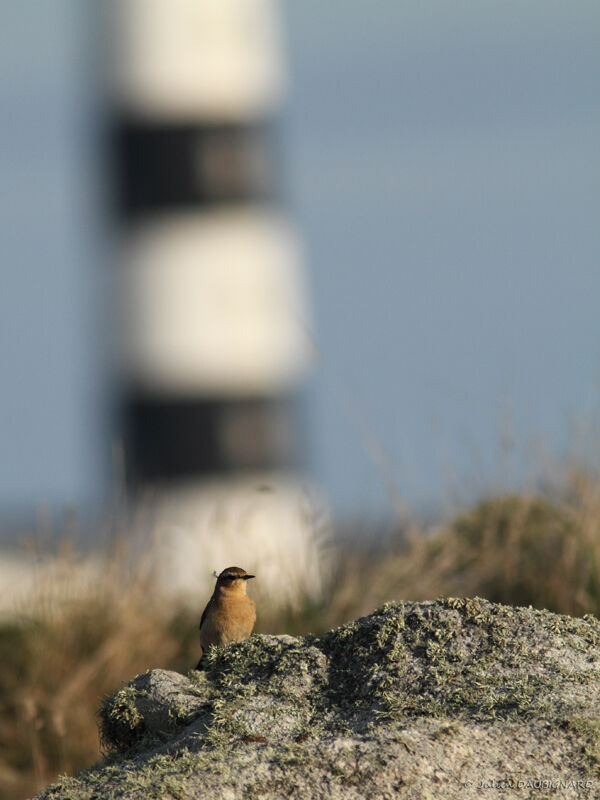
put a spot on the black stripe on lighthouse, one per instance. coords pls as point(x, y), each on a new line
point(162, 167)
point(175, 439)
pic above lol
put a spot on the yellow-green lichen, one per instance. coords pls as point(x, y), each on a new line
point(120, 720)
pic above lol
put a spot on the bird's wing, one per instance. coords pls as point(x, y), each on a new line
point(204, 613)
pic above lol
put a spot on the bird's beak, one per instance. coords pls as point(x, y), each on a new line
point(247, 577)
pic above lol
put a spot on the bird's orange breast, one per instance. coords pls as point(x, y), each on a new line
point(228, 620)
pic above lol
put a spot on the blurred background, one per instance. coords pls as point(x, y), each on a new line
point(311, 289)
point(440, 170)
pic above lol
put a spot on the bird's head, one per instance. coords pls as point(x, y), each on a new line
point(233, 579)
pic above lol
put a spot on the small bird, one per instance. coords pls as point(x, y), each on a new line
point(230, 614)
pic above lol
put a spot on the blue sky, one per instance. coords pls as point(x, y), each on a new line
point(51, 402)
point(445, 174)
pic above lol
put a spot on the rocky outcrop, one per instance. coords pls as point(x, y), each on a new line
point(448, 699)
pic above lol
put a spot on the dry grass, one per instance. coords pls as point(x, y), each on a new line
point(61, 657)
point(66, 651)
point(540, 550)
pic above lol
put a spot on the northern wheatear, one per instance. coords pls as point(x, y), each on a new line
point(230, 614)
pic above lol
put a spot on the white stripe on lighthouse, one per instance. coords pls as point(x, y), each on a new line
point(185, 59)
point(215, 304)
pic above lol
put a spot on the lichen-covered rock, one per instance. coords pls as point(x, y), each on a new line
point(446, 699)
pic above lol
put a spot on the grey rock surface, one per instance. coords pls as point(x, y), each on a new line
point(447, 699)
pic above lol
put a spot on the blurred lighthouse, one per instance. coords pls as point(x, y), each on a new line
point(212, 298)
point(212, 295)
